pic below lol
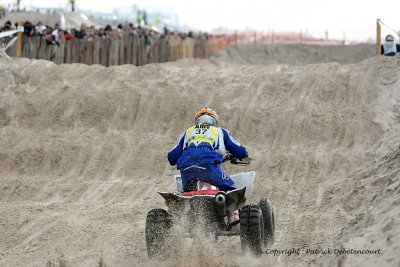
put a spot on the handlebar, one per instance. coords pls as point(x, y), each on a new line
point(236, 161)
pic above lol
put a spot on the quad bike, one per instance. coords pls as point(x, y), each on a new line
point(207, 209)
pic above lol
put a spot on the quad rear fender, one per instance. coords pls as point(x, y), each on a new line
point(234, 199)
point(241, 179)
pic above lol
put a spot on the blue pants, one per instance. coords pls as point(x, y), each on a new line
point(212, 174)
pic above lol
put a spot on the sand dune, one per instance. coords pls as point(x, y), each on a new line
point(295, 54)
point(84, 147)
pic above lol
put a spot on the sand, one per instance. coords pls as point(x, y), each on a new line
point(84, 147)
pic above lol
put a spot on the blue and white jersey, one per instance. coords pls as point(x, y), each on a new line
point(202, 145)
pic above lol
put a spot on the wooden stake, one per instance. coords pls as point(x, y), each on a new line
point(19, 42)
point(378, 37)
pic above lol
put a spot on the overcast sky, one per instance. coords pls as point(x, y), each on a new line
point(354, 17)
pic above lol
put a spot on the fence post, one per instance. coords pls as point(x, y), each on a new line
point(19, 41)
point(378, 37)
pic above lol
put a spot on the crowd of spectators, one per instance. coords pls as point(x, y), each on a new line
point(53, 35)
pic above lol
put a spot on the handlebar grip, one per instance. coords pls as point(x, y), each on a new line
point(233, 160)
point(244, 161)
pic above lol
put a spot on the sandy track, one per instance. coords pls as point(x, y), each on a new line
point(83, 148)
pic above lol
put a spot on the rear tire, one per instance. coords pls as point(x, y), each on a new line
point(252, 229)
point(158, 224)
point(269, 223)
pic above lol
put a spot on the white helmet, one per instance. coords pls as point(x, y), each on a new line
point(389, 38)
point(206, 116)
point(206, 119)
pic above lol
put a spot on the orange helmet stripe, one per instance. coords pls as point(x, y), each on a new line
point(208, 111)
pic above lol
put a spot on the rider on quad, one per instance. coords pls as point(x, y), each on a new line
point(201, 150)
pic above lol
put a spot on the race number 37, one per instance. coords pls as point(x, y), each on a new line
point(200, 131)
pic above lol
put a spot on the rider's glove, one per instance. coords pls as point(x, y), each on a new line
point(246, 159)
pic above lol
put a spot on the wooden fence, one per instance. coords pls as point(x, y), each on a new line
point(128, 49)
point(133, 49)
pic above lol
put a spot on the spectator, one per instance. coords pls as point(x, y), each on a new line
point(127, 28)
point(28, 28)
point(90, 31)
point(4, 41)
point(82, 33)
point(39, 28)
point(389, 47)
point(54, 33)
point(147, 37)
point(108, 31)
point(2, 11)
point(49, 37)
point(61, 34)
point(8, 24)
point(68, 35)
point(101, 33)
point(165, 32)
point(7, 27)
point(72, 2)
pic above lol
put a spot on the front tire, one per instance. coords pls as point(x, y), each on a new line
point(158, 225)
point(252, 229)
